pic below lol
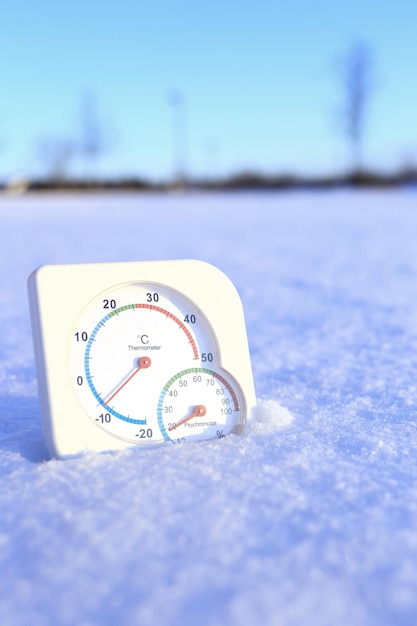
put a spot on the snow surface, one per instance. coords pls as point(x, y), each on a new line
point(310, 516)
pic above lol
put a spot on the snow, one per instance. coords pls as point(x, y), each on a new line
point(310, 516)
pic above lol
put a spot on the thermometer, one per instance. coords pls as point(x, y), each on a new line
point(139, 353)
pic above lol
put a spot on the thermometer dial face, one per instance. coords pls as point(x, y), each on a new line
point(138, 353)
point(138, 356)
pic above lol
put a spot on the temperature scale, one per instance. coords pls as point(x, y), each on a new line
point(138, 353)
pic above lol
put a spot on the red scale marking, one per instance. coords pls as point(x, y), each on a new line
point(176, 320)
point(232, 393)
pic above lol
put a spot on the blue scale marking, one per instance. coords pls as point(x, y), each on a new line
point(89, 377)
point(160, 404)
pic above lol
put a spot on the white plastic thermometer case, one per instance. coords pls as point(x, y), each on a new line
point(58, 294)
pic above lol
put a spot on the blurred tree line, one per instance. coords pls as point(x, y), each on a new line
point(84, 149)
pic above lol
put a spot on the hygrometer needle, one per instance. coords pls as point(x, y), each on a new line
point(143, 364)
point(198, 411)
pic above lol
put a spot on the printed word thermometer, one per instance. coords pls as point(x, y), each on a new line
point(138, 353)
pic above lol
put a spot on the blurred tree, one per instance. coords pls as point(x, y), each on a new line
point(57, 153)
point(87, 143)
point(357, 81)
point(94, 138)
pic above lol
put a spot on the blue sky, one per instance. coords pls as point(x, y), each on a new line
point(259, 82)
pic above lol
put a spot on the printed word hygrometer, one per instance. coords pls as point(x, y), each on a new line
point(138, 353)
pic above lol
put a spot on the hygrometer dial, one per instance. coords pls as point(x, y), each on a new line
point(200, 403)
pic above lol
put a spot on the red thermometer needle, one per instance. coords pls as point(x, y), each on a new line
point(143, 364)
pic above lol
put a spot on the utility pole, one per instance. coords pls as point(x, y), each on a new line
point(357, 83)
point(176, 101)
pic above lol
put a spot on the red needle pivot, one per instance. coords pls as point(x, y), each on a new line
point(144, 362)
point(198, 411)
